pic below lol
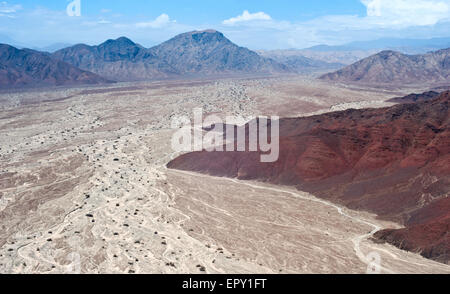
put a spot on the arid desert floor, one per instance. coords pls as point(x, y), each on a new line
point(84, 188)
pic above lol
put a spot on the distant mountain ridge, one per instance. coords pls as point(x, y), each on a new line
point(197, 53)
point(21, 68)
point(391, 67)
point(298, 62)
point(406, 46)
point(352, 52)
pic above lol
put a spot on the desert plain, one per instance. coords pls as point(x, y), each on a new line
point(84, 186)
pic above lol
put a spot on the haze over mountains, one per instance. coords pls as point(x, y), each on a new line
point(27, 67)
point(406, 46)
point(394, 162)
point(295, 60)
point(355, 51)
point(390, 67)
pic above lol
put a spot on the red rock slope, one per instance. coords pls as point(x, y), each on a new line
point(392, 161)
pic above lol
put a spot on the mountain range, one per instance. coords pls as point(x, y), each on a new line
point(199, 53)
point(208, 54)
point(119, 60)
point(394, 162)
point(194, 54)
point(19, 68)
point(391, 67)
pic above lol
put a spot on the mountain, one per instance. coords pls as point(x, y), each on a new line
point(390, 67)
point(121, 60)
point(27, 67)
point(394, 162)
point(299, 63)
point(200, 53)
point(210, 52)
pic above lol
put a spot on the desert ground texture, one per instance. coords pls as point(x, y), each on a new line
point(84, 187)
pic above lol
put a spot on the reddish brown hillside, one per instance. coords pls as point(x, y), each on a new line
point(392, 161)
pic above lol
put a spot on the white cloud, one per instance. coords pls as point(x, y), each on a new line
point(406, 13)
point(9, 10)
point(159, 22)
point(104, 21)
point(246, 17)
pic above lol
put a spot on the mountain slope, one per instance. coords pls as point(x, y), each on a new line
point(195, 53)
point(393, 161)
point(390, 67)
point(120, 59)
point(26, 67)
point(210, 52)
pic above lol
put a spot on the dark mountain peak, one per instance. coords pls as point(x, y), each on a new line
point(125, 40)
point(120, 42)
point(386, 54)
point(120, 49)
point(200, 38)
point(203, 33)
point(210, 31)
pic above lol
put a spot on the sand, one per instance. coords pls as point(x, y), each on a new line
point(84, 188)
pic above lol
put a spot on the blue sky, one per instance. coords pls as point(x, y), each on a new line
point(262, 24)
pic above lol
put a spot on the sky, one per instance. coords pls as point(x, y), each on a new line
point(256, 24)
